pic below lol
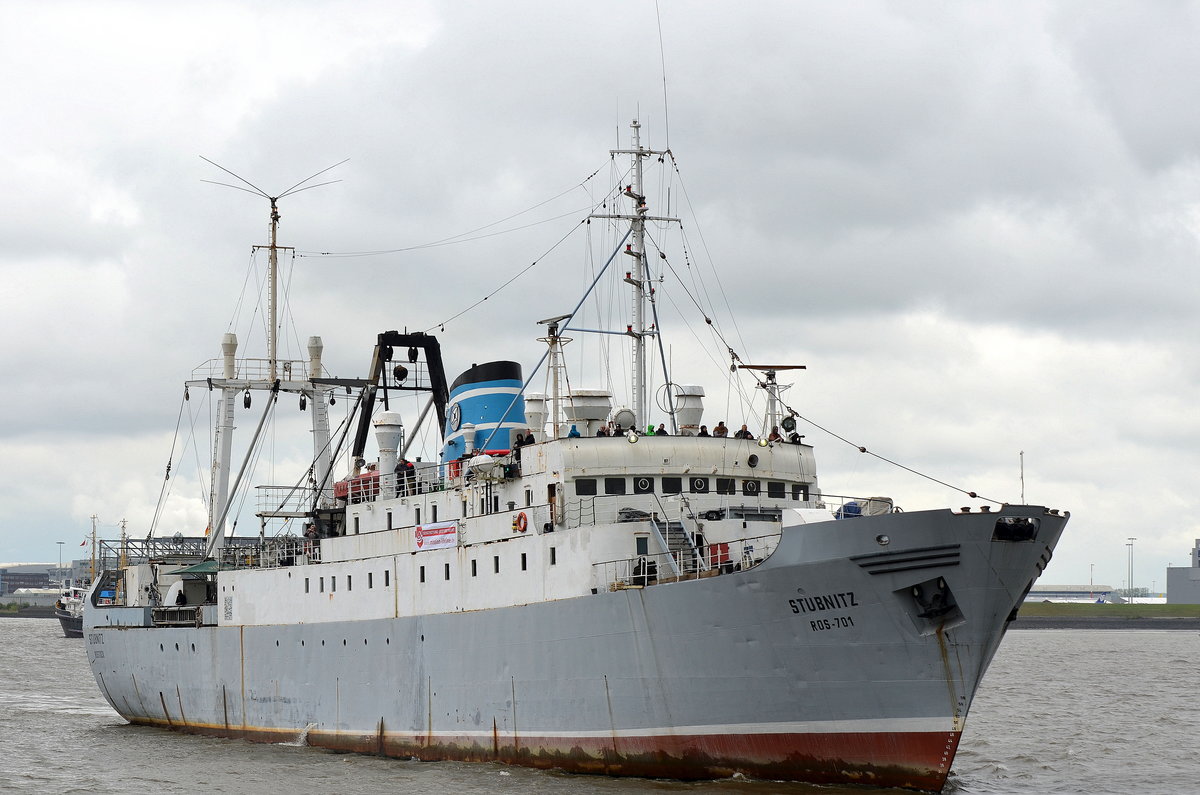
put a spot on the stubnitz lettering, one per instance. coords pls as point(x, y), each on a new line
point(815, 604)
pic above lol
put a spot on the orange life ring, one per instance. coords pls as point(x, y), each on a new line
point(521, 522)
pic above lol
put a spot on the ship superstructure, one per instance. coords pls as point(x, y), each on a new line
point(638, 604)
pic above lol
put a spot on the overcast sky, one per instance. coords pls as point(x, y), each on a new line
point(976, 224)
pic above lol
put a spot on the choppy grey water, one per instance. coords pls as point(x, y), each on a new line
point(1061, 711)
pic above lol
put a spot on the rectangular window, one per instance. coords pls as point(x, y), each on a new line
point(553, 556)
point(417, 515)
point(750, 488)
point(483, 505)
point(614, 485)
point(387, 579)
point(433, 512)
point(474, 567)
point(643, 545)
point(321, 584)
point(726, 486)
point(306, 585)
point(356, 525)
point(496, 504)
point(672, 485)
point(496, 564)
point(643, 485)
point(698, 485)
point(447, 571)
point(529, 497)
point(422, 574)
point(349, 582)
point(584, 487)
point(370, 580)
point(464, 510)
point(776, 489)
point(800, 492)
point(524, 566)
point(332, 584)
point(389, 524)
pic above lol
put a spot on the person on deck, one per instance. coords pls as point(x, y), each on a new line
point(573, 433)
point(721, 430)
point(774, 435)
point(661, 430)
point(744, 433)
point(703, 431)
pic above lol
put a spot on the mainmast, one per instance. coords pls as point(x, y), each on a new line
point(638, 276)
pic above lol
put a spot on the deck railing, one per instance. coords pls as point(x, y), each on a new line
point(643, 571)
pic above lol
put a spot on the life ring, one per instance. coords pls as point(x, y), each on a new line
point(521, 522)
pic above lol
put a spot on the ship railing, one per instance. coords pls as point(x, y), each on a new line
point(616, 508)
point(642, 571)
point(287, 500)
point(848, 507)
point(271, 553)
point(253, 370)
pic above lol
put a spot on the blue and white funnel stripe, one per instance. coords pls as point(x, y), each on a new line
point(487, 397)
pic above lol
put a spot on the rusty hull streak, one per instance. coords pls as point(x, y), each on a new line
point(677, 757)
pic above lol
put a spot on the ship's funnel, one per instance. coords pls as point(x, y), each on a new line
point(689, 408)
point(486, 404)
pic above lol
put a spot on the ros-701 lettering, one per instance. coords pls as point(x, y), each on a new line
point(836, 622)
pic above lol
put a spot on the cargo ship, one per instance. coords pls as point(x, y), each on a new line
point(566, 586)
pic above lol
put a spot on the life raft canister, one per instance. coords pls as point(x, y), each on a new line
point(521, 522)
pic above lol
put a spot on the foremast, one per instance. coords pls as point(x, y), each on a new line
point(250, 375)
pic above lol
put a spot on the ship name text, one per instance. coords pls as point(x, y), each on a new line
point(815, 604)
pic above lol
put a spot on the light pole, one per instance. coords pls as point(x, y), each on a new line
point(60, 577)
point(1130, 545)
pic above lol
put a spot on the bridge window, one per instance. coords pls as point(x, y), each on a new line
point(614, 485)
point(698, 485)
point(776, 489)
point(672, 485)
point(726, 486)
point(643, 485)
point(750, 488)
point(585, 487)
point(800, 492)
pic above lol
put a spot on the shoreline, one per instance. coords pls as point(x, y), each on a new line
point(28, 612)
point(1105, 622)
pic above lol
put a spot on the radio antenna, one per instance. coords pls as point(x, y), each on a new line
point(273, 248)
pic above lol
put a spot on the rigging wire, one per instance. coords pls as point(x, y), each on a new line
point(465, 235)
point(512, 279)
point(162, 492)
point(662, 55)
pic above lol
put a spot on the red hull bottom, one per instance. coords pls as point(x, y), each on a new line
point(908, 760)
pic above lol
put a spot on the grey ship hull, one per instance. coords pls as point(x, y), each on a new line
point(821, 664)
